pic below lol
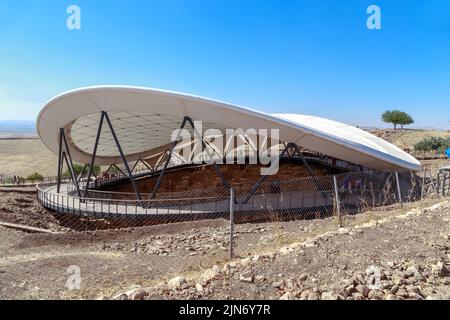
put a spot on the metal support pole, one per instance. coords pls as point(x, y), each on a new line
point(398, 189)
point(231, 222)
point(70, 163)
point(60, 163)
point(122, 155)
point(94, 154)
point(337, 201)
point(72, 174)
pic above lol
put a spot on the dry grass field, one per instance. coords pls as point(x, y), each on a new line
point(26, 156)
point(406, 139)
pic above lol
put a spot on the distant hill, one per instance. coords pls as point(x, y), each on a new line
point(406, 139)
point(17, 126)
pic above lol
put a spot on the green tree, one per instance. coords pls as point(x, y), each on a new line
point(406, 119)
point(437, 144)
point(78, 168)
point(397, 117)
point(35, 177)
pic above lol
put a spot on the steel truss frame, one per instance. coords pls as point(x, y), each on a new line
point(172, 148)
point(62, 154)
point(291, 149)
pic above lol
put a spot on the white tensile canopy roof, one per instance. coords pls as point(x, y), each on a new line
point(144, 120)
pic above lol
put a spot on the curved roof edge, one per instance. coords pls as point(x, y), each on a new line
point(308, 131)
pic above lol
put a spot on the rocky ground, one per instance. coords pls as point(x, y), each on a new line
point(19, 206)
point(387, 254)
point(400, 256)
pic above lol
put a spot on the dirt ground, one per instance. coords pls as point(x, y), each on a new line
point(406, 139)
point(311, 259)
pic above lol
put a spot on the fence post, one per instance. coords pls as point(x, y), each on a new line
point(231, 221)
point(422, 190)
point(398, 189)
point(337, 202)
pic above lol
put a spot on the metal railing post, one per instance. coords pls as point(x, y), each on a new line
point(337, 201)
point(231, 222)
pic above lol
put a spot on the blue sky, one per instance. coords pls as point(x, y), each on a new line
point(304, 56)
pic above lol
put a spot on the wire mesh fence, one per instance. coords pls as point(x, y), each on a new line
point(329, 198)
point(312, 205)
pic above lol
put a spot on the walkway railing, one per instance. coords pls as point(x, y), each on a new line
point(66, 202)
point(313, 194)
point(356, 190)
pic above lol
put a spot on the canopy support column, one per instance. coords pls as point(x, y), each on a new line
point(94, 154)
point(66, 154)
point(122, 155)
point(60, 164)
